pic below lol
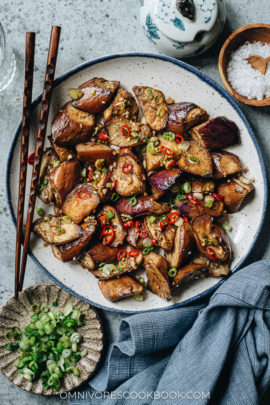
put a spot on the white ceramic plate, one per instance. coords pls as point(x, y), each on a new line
point(183, 83)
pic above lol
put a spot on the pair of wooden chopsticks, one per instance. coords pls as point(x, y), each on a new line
point(42, 126)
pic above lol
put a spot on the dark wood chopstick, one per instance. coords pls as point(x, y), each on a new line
point(42, 126)
point(26, 118)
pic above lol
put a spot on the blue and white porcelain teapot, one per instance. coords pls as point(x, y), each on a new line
point(182, 28)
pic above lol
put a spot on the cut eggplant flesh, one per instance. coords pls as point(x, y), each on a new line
point(123, 106)
point(184, 116)
point(182, 246)
point(225, 164)
point(123, 287)
point(126, 133)
point(234, 191)
point(196, 160)
point(157, 274)
point(57, 230)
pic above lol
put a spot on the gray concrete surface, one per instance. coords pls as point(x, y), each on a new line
point(91, 29)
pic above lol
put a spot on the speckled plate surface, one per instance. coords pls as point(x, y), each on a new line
point(18, 313)
point(183, 83)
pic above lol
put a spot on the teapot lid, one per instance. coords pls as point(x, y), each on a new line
point(175, 26)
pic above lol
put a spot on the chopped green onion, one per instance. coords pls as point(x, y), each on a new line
point(193, 159)
point(45, 219)
point(172, 272)
point(56, 164)
point(35, 308)
point(149, 94)
point(104, 170)
point(108, 185)
point(187, 187)
point(152, 219)
point(67, 310)
point(44, 308)
point(101, 265)
point(95, 131)
point(210, 241)
point(18, 363)
point(138, 297)
point(205, 173)
point(66, 353)
point(227, 226)
point(158, 99)
point(118, 269)
point(41, 187)
point(46, 182)
point(169, 136)
point(133, 201)
point(115, 197)
point(109, 215)
point(161, 112)
point(150, 148)
point(55, 304)
point(208, 204)
point(83, 172)
point(40, 211)
point(13, 347)
point(163, 217)
point(147, 250)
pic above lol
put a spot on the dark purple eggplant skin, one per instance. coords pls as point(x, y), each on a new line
point(145, 205)
point(163, 180)
point(181, 119)
point(217, 133)
point(225, 164)
point(190, 210)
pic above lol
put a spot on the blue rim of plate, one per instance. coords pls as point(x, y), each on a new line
point(204, 78)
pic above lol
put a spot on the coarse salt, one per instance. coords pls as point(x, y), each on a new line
point(244, 79)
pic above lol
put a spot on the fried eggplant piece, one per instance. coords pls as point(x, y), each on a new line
point(153, 105)
point(80, 202)
point(132, 182)
point(161, 181)
point(210, 238)
point(234, 191)
point(62, 152)
point(116, 222)
point(214, 269)
point(134, 239)
point(196, 160)
point(145, 205)
point(123, 106)
point(73, 250)
point(57, 230)
point(71, 126)
point(90, 152)
point(190, 210)
point(182, 246)
point(126, 133)
point(123, 287)
point(184, 116)
point(217, 133)
point(188, 273)
point(157, 274)
point(203, 186)
point(164, 239)
point(123, 266)
point(64, 179)
point(104, 192)
point(225, 164)
point(47, 162)
point(96, 95)
point(155, 161)
point(97, 254)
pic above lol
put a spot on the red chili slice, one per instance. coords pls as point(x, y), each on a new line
point(179, 139)
point(83, 194)
point(192, 199)
point(185, 220)
point(126, 131)
point(164, 224)
point(172, 218)
point(107, 231)
point(90, 175)
point(170, 164)
point(31, 159)
point(133, 253)
point(129, 224)
point(153, 242)
point(113, 184)
point(121, 254)
point(218, 197)
point(143, 233)
point(138, 226)
point(126, 168)
point(103, 137)
point(212, 254)
point(103, 220)
point(166, 151)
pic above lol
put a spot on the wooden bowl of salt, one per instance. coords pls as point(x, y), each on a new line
point(244, 82)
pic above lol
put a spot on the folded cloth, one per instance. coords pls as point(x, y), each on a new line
point(216, 353)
